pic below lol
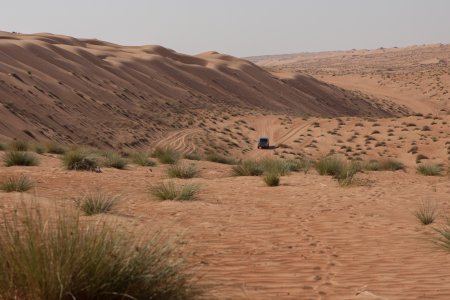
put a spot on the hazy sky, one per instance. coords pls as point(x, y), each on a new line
point(238, 27)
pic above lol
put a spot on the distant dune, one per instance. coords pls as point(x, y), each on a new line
point(93, 92)
point(417, 77)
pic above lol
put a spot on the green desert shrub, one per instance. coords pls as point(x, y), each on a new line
point(38, 148)
point(426, 213)
point(221, 159)
point(80, 160)
point(17, 184)
point(182, 171)
point(330, 165)
point(97, 203)
point(20, 158)
point(248, 168)
point(56, 256)
point(347, 173)
point(299, 165)
point(192, 156)
point(2, 147)
point(114, 160)
point(272, 179)
point(55, 148)
point(169, 191)
point(142, 159)
point(384, 165)
point(19, 146)
point(166, 155)
point(429, 169)
point(276, 166)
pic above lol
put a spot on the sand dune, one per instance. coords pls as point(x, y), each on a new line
point(417, 77)
point(93, 92)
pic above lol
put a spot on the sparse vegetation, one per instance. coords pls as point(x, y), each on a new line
point(169, 191)
point(383, 165)
point(429, 169)
point(114, 160)
point(426, 213)
point(16, 184)
point(19, 146)
point(55, 148)
point(20, 158)
point(97, 203)
point(192, 156)
point(166, 155)
point(142, 159)
point(272, 179)
point(80, 160)
point(182, 171)
point(217, 158)
point(330, 165)
point(248, 168)
point(70, 259)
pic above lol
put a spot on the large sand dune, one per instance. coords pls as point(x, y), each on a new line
point(93, 92)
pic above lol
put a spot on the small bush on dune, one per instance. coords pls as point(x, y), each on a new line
point(97, 203)
point(20, 158)
point(166, 155)
point(330, 165)
point(55, 148)
point(2, 147)
point(80, 160)
point(192, 156)
point(299, 165)
point(114, 160)
point(272, 179)
point(384, 165)
point(38, 148)
point(426, 213)
point(248, 168)
point(217, 158)
point(19, 146)
point(169, 191)
point(66, 259)
point(17, 184)
point(182, 171)
point(276, 166)
point(429, 169)
point(142, 159)
point(347, 173)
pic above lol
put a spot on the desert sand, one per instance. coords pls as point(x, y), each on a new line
point(308, 238)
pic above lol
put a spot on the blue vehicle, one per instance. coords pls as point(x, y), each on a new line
point(263, 143)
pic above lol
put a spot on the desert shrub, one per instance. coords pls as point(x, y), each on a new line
point(97, 203)
point(276, 166)
point(192, 156)
point(182, 171)
point(38, 148)
point(80, 160)
point(426, 213)
point(429, 169)
point(347, 173)
point(272, 179)
point(141, 159)
point(221, 159)
point(383, 165)
point(55, 148)
point(20, 158)
point(114, 160)
point(169, 191)
point(248, 168)
point(66, 259)
point(166, 155)
point(2, 147)
point(330, 165)
point(19, 146)
point(16, 184)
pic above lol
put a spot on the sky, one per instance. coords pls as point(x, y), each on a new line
point(237, 27)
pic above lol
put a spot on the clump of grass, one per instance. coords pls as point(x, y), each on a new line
point(192, 156)
point(272, 179)
point(55, 148)
point(383, 165)
point(142, 159)
point(248, 168)
point(19, 146)
point(80, 160)
point(426, 213)
point(61, 257)
point(39, 148)
point(17, 184)
point(276, 166)
point(97, 203)
point(166, 155)
point(182, 171)
point(217, 158)
point(299, 165)
point(330, 165)
point(169, 191)
point(347, 173)
point(114, 160)
point(429, 169)
point(20, 158)
point(2, 147)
